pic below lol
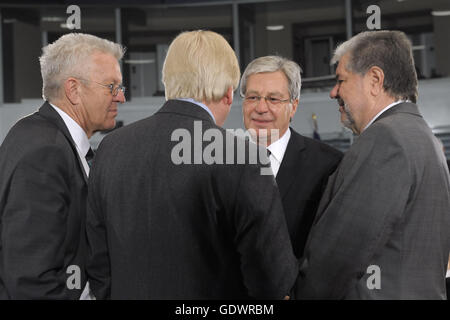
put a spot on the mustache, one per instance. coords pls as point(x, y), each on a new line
point(340, 101)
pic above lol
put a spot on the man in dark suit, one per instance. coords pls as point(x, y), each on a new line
point(173, 216)
point(270, 87)
point(382, 227)
point(447, 280)
point(44, 164)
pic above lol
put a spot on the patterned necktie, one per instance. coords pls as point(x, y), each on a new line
point(90, 157)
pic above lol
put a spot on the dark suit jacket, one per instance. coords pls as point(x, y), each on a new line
point(43, 191)
point(447, 282)
point(382, 227)
point(301, 179)
point(160, 230)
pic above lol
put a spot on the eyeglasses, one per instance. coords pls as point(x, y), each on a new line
point(113, 89)
point(253, 100)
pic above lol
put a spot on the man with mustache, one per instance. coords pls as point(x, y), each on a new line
point(44, 165)
point(270, 87)
point(382, 230)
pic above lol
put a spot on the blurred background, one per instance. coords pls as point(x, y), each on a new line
point(306, 31)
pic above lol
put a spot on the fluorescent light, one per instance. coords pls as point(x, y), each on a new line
point(275, 27)
point(421, 47)
point(440, 13)
point(52, 19)
point(142, 61)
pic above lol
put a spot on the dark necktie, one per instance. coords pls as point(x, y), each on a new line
point(90, 157)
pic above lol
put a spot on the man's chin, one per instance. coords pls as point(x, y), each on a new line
point(264, 136)
point(259, 132)
point(350, 126)
point(256, 135)
point(111, 125)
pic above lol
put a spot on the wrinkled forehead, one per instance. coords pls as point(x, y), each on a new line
point(105, 66)
point(275, 81)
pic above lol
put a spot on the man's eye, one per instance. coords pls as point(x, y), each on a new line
point(275, 100)
point(252, 98)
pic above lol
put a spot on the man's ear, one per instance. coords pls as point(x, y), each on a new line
point(228, 97)
point(376, 77)
point(294, 105)
point(71, 90)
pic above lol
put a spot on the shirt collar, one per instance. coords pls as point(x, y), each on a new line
point(77, 133)
point(381, 112)
point(278, 148)
point(202, 105)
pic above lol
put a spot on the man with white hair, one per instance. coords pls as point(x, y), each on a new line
point(270, 88)
point(161, 229)
point(44, 165)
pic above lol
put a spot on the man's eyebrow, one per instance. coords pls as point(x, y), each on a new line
point(275, 93)
point(113, 81)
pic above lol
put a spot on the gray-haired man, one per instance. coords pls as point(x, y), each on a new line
point(383, 226)
point(270, 87)
point(44, 164)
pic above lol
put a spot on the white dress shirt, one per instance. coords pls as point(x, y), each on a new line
point(78, 135)
point(277, 150)
point(381, 112)
point(82, 145)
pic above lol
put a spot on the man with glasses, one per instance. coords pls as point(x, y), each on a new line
point(270, 87)
point(44, 164)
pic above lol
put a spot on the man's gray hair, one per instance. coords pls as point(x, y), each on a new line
point(389, 50)
point(69, 56)
point(272, 64)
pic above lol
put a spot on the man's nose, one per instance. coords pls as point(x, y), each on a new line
point(120, 97)
point(334, 92)
point(261, 105)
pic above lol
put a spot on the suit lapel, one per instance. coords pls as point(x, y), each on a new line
point(47, 111)
point(289, 165)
